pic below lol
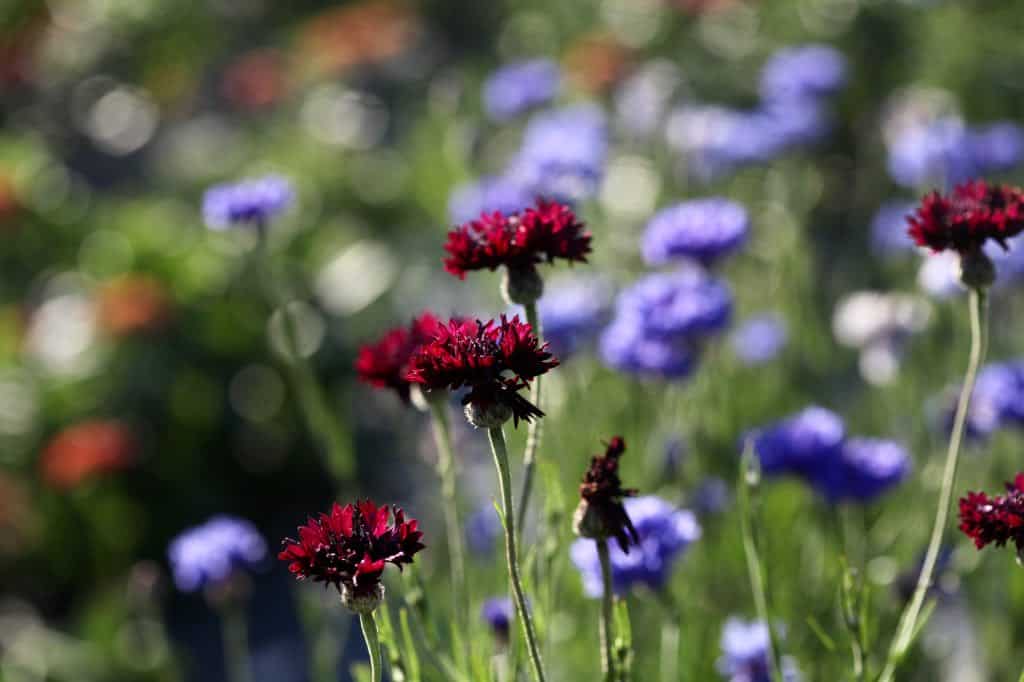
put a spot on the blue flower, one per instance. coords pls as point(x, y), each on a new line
point(807, 71)
point(759, 339)
point(487, 195)
point(664, 530)
point(249, 202)
point(745, 653)
point(712, 495)
point(519, 87)
point(997, 401)
point(482, 530)
point(800, 444)
point(996, 147)
point(702, 229)
point(210, 553)
point(889, 228)
point(498, 613)
point(624, 347)
point(866, 468)
point(563, 153)
point(572, 311)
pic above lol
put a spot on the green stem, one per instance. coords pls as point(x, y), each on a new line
point(500, 451)
point(977, 303)
point(605, 625)
point(750, 477)
point(533, 431)
point(236, 642)
point(669, 636)
point(369, 626)
point(449, 503)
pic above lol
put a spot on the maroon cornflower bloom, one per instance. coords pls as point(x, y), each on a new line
point(385, 364)
point(350, 547)
point(997, 519)
point(494, 359)
point(519, 241)
point(966, 218)
point(600, 513)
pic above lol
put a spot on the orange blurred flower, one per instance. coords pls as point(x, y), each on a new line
point(85, 450)
point(8, 199)
point(255, 80)
point(16, 517)
point(596, 62)
point(356, 34)
point(133, 303)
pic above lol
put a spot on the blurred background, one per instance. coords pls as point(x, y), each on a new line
point(141, 393)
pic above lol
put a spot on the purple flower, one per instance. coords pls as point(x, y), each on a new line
point(469, 201)
point(210, 553)
point(997, 401)
point(865, 468)
point(563, 153)
point(800, 444)
point(759, 339)
point(712, 495)
point(702, 229)
point(482, 530)
point(572, 312)
point(249, 202)
point(889, 228)
point(519, 87)
point(996, 147)
point(498, 613)
point(936, 152)
point(664, 532)
point(624, 347)
point(685, 304)
point(803, 72)
point(745, 653)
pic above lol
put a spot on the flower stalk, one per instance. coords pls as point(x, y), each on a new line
point(607, 660)
point(235, 634)
point(369, 625)
point(534, 430)
point(907, 629)
point(500, 452)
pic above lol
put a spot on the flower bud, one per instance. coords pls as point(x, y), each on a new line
point(489, 416)
point(587, 522)
point(977, 271)
point(521, 285)
point(362, 602)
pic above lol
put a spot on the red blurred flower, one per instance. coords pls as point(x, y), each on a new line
point(359, 33)
point(519, 241)
point(8, 198)
point(596, 62)
point(995, 519)
point(85, 450)
point(966, 218)
point(350, 547)
point(601, 514)
point(493, 359)
point(133, 303)
point(255, 80)
point(385, 364)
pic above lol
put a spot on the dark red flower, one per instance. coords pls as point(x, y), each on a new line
point(351, 546)
point(997, 519)
point(86, 450)
point(520, 241)
point(385, 364)
point(493, 359)
point(966, 218)
point(601, 513)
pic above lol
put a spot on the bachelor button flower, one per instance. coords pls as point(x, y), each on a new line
point(807, 71)
point(996, 147)
point(800, 444)
point(745, 655)
point(997, 400)
point(249, 202)
point(487, 195)
point(497, 612)
point(208, 555)
point(888, 229)
point(600, 514)
point(482, 530)
point(966, 218)
point(703, 230)
point(624, 347)
point(866, 468)
point(385, 364)
point(349, 549)
point(573, 311)
point(663, 531)
point(519, 87)
point(563, 153)
point(759, 339)
point(997, 519)
point(494, 359)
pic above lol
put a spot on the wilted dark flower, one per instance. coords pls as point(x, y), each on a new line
point(664, 532)
point(703, 230)
point(518, 87)
point(969, 216)
point(498, 612)
point(494, 359)
point(385, 364)
point(249, 202)
point(997, 519)
point(600, 514)
point(563, 153)
point(487, 195)
point(806, 71)
point(759, 339)
point(519, 241)
point(350, 547)
point(745, 656)
point(207, 555)
point(85, 450)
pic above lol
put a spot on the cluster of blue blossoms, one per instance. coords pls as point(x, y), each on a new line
point(813, 446)
point(209, 554)
point(745, 653)
point(794, 83)
point(664, 531)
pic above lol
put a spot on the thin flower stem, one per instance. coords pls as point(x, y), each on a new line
point(605, 625)
point(533, 431)
point(446, 471)
point(669, 636)
point(500, 450)
point(369, 625)
point(750, 478)
point(978, 305)
point(235, 635)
